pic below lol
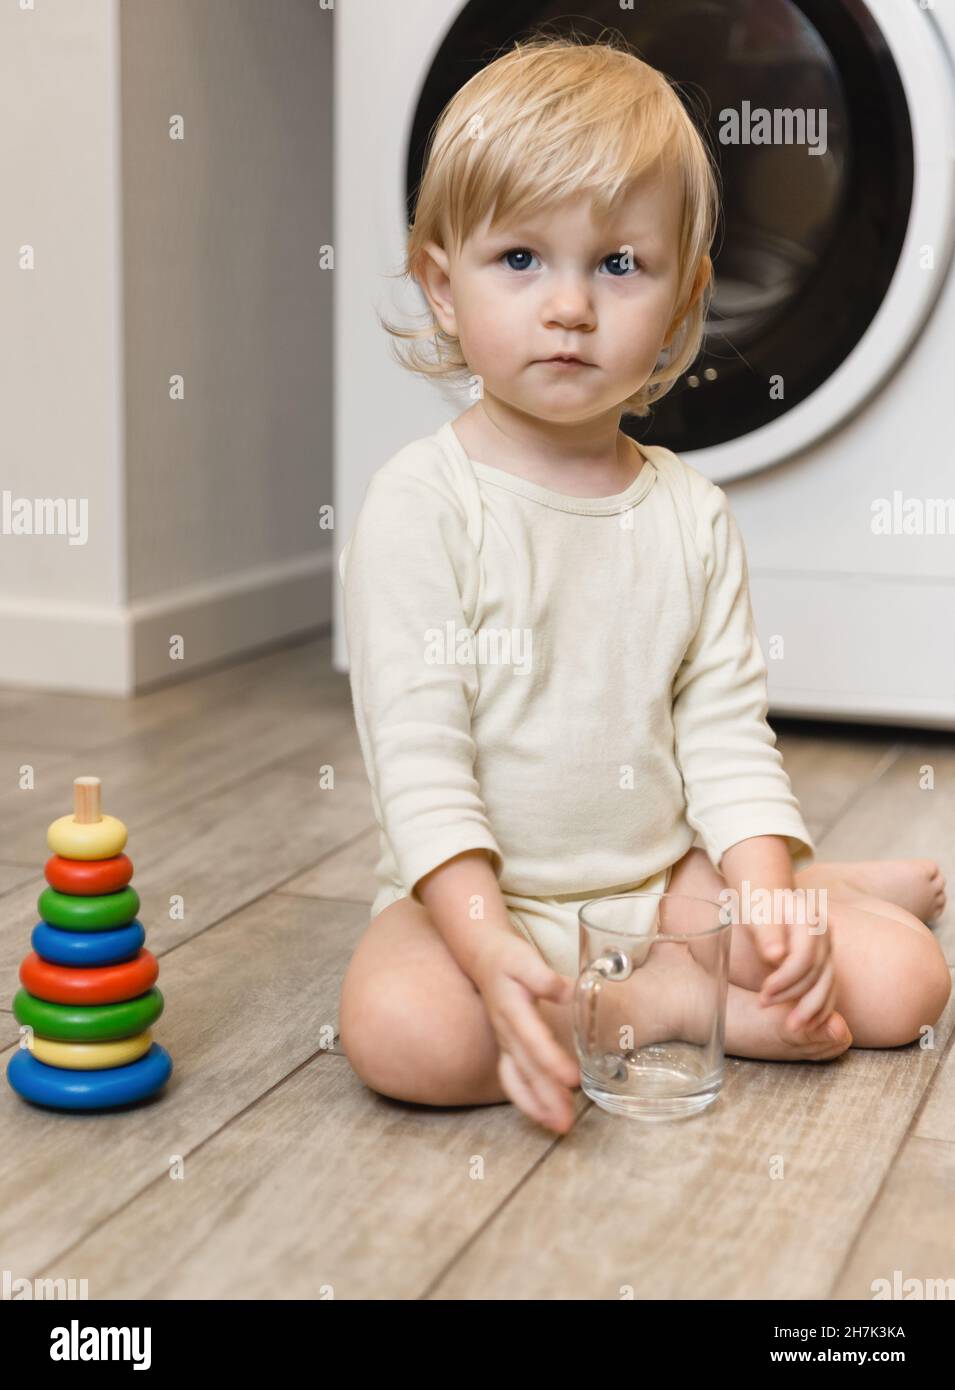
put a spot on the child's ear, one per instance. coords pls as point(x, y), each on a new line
point(433, 273)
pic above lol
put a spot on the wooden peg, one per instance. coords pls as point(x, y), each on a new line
point(86, 800)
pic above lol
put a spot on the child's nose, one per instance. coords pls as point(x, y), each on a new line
point(569, 305)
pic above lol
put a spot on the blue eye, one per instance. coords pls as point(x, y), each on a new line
point(617, 262)
point(621, 258)
point(517, 251)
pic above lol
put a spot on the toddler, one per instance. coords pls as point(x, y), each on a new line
point(557, 685)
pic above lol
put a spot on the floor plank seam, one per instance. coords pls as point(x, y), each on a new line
point(889, 1168)
point(224, 705)
point(924, 1099)
point(276, 889)
point(889, 757)
point(504, 1202)
point(321, 898)
point(234, 912)
point(218, 790)
point(347, 844)
point(177, 807)
point(63, 1254)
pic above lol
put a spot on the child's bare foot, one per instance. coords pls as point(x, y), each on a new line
point(679, 1004)
point(752, 1031)
point(918, 885)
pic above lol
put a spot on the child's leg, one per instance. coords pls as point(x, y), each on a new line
point(891, 975)
point(411, 1022)
point(414, 1027)
point(915, 885)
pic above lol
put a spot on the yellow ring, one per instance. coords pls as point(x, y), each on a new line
point(100, 840)
point(90, 1056)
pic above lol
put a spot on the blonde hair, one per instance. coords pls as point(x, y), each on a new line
point(554, 117)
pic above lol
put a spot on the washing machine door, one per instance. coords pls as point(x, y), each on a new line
point(833, 123)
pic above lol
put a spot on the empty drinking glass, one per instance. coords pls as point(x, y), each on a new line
point(650, 1002)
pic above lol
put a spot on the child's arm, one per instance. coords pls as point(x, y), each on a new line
point(799, 944)
point(511, 977)
point(464, 900)
point(735, 785)
point(410, 574)
point(738, 795)
point(764, 862)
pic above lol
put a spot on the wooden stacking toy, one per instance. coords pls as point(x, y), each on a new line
point(89, 990)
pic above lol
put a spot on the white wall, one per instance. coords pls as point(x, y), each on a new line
point(157, 257)
point(60, 351)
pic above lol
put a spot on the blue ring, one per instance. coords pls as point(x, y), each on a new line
point(65, 1089)
point(87, 948)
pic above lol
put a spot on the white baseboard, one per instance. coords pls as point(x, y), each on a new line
point(860, 648)
point(95, 649)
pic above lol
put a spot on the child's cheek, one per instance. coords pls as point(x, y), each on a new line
point(489, 337)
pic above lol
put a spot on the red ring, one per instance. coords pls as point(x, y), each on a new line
point(98, 984)
point(86, 878)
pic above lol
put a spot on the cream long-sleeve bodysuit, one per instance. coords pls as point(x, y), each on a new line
point(573, 683)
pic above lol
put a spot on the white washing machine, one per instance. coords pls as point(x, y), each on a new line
point(822, 398)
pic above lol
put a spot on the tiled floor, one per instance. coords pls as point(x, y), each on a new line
point(266, 1169)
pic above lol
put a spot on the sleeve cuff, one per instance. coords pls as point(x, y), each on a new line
point(415, 863)
point(729, 830)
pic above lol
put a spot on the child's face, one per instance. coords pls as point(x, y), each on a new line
point(558, 282)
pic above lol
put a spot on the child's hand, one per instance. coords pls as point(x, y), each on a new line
point(806, 973)
point(534, 1070)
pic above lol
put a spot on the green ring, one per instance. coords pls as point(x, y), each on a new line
point(88, 1022)
point(99, 913)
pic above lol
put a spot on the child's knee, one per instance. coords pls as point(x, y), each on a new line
point(937, 985)
point(406, 1045)
point(921, 999)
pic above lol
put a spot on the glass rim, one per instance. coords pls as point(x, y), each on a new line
point(662, 935)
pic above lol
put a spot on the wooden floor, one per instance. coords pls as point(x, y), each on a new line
point(296, 1180)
